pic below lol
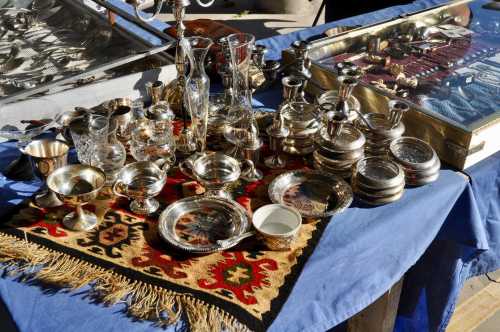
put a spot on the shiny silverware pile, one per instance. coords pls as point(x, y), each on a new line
point(380, 130)
point(377, 180)
point(417, 158)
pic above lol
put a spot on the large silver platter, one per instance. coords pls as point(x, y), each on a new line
point(315, 194)
point(195, 224)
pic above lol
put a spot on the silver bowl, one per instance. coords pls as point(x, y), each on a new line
point(213, 170)
point(77, 185)
point(141, 181)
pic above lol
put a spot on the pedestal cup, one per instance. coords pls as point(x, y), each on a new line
point(77, 185)
point(47, 155)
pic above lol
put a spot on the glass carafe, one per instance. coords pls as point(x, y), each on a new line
point(197, 88)
point(241, 129)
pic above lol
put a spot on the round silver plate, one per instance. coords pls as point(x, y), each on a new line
point(315, 194)
point(195, 224)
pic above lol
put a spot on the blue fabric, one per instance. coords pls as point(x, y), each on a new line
point(467, 245)
point(361, 254)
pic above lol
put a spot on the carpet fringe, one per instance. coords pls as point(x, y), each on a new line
point(144, 301)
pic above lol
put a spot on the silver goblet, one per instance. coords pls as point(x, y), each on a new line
point(77, 185)
point(47, 156)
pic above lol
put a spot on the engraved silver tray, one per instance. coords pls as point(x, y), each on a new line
point(195, 224)
point(315, 194)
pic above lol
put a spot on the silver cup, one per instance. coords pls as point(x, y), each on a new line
point(141, 181)
point(77, 185)
point(47, 156)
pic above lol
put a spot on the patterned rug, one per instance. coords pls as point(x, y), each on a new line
point(124, 259)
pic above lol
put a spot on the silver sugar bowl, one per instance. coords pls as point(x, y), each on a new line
point(213, 170)
point(141, 181)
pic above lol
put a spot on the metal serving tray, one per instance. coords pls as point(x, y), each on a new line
point(458, 111)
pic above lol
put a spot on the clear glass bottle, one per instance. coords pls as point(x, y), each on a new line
point(197, 88)
point(241, 129)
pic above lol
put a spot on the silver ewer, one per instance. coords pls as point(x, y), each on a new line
point(77, 185)
point(141, 181)
point(47, 156)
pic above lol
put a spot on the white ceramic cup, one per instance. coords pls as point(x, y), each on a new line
point(278, 225)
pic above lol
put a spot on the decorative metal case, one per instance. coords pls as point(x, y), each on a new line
point(455, 106)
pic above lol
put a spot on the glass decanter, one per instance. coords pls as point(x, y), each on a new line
point(241, 129)
point(109, 156)
point(197, 88)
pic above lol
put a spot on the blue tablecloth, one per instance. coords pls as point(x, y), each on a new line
point(361, 254)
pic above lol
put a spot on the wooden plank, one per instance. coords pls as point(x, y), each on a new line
point(380, 316)
point(476, 309)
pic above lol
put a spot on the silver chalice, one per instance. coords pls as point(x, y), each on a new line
point(77, 185)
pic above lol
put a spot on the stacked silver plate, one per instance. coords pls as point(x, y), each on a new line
point(377, 180)
point(380, 136)
point(418, 159)
point(336, 155)
point(302, 121)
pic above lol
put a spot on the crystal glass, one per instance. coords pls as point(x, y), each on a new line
point(153, 140)
point(241, 128)
point(88, 132)
point(197, 88)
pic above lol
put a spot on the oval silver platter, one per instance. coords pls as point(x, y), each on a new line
point(315, 194)
point(195, 224)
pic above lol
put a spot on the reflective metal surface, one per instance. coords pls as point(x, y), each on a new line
point(196, 224)
point(377, 180)
point(314, 194)
point(417, 158)
point(213, 170)
point(141, 181)
point(47, 156)
point(77, 185)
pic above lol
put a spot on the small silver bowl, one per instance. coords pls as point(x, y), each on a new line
point(213, 170)
point(77, 185)
point(141, 181)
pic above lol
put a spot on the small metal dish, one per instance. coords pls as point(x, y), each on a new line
point(353, 155)
point(315, 194)
point(378, 173)
point(422, 180)
point(413, 153)
point(198, 224)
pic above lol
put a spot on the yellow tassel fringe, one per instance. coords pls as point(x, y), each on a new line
point(144, 301)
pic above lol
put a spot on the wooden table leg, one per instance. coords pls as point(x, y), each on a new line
point(380, 316)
